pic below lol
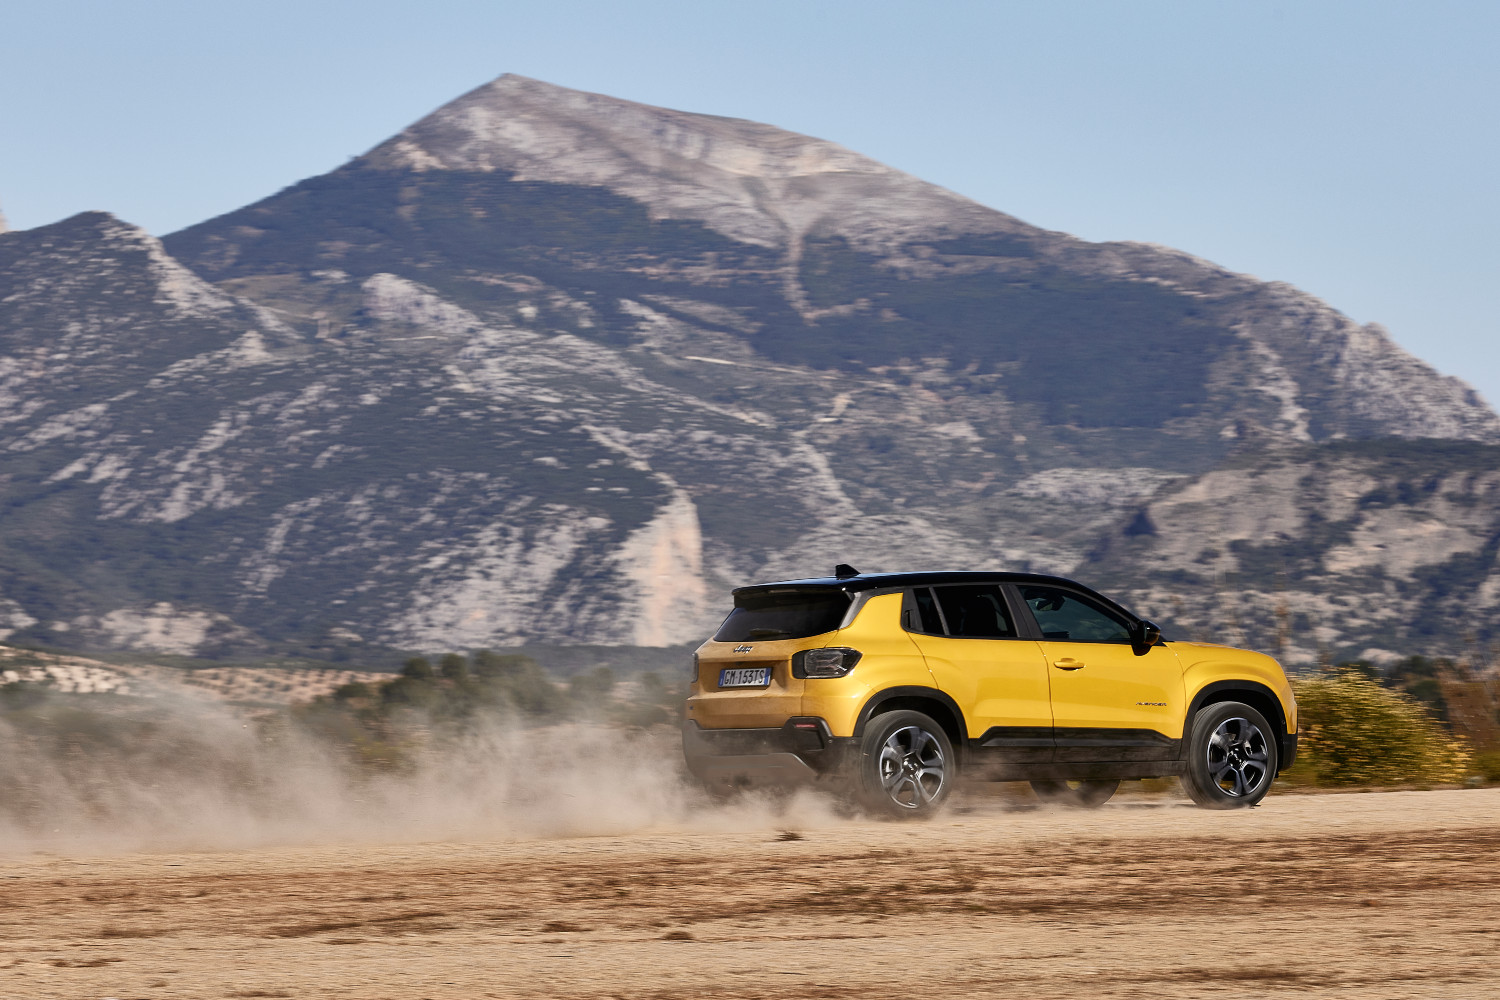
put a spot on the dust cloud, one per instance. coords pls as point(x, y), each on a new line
point(191, 776)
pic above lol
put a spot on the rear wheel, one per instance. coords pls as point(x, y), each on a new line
point(1080, 794)
point(906, 765)
point(1231, 757)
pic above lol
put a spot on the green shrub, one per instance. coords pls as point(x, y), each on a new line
point(19, 695)
point(491, 664)
point(453, 667)
point(592, 687)
point(1487, 763)
point(418, 669)
point(353, 690)
point(528, 688)
point(1356, 732)
point(415, 692)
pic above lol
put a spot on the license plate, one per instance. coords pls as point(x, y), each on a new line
point(745, 677)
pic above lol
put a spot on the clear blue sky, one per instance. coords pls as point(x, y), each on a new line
point(1350, 148)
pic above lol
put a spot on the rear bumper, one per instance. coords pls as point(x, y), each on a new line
point(801, 751)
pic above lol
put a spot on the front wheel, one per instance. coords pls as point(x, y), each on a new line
point(1079, 794)
point(1231, 757)
point(906, 765)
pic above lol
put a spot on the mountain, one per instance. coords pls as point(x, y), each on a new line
point(1375, 549)
point(187, 473)
point(555, 367)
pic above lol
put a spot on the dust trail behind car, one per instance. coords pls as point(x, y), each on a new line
point(193, 775)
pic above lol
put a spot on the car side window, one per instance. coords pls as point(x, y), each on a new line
point(927, 612)
point(975, 611)
point(1061, 615)
point(919, 613)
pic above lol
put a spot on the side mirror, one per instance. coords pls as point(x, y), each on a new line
point(1146, 634)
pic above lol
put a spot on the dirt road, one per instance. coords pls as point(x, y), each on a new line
point(1370, 895)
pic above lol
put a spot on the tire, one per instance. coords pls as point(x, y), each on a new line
point(1232, 757)
point(1079, 794)
point(906, 767)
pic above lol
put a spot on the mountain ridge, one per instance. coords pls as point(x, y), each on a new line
point(428, 403)
point(753, 182)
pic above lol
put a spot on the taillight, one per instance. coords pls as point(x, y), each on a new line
point(835, 661)
point(695, 666)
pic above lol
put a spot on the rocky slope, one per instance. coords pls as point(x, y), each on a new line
point(1374, 548)
point(554, 367)
point(185, 473)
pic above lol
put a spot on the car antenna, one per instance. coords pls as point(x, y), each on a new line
point(843, 570)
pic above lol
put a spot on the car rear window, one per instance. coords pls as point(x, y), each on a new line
point(783, 614)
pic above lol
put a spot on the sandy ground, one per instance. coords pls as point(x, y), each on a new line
point(1363, 895)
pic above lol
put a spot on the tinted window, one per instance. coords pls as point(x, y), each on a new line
point(1062, 615)
point(793, 614)
point(924, 613)
point(975, 612)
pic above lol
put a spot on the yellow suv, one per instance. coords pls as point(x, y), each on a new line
point(892, 685)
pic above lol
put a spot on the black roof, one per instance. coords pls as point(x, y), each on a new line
point(892, 581)
point(859, 582)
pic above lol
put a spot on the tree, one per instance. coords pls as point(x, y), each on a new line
point(418, 669)
point(594, 686)
point(491, 664)
point(453, 667)
point(354, 689)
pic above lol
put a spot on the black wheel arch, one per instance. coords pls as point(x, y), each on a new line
point(929, 701)
point(1252, 693)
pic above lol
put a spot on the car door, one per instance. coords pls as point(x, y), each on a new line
point(1111, 700)
point(968, 636)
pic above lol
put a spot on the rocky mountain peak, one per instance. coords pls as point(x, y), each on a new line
point(553, 367)
point(753, 182)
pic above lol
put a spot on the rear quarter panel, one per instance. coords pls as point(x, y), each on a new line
point(889, 658)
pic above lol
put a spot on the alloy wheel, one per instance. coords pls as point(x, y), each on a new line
point(912, 768)
point(1238, 760)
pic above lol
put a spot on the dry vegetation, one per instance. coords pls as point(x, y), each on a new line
point(262, 686)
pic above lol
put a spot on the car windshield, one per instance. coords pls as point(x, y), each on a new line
point(783, 614)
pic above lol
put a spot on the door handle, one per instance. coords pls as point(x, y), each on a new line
point(1068, 663)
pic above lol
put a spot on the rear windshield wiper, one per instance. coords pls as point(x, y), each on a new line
point(769, 633)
